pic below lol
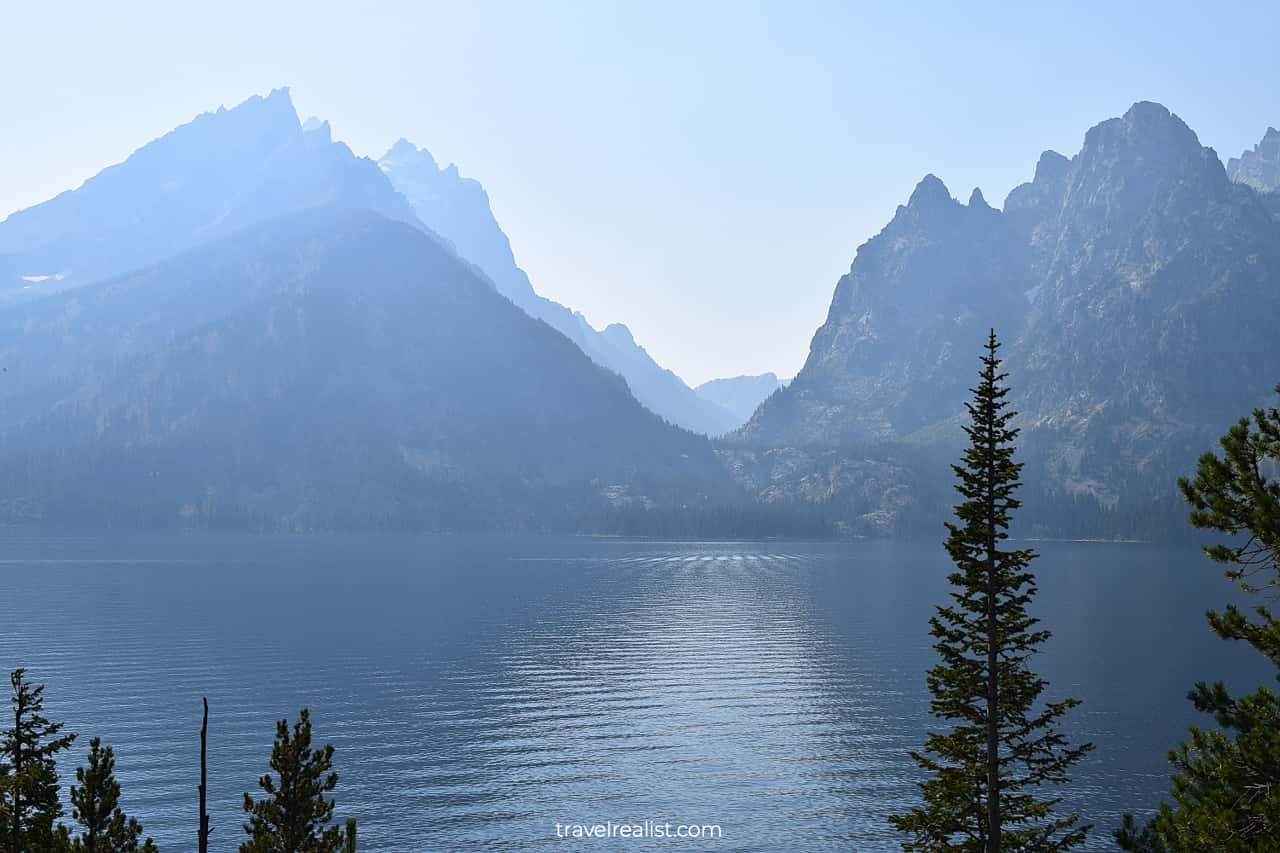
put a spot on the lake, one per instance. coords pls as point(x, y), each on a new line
point(478, 692)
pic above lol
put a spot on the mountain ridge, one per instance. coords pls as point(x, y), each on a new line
point(344, 370)
point(741, 395)
point(211, 176)
point(458, 209)
point(1132, 284)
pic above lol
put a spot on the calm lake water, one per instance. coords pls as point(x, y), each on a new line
point(479, 692)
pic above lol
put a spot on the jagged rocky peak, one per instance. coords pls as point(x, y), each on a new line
point(887, 360)
point(929, 205)
point(1260, 167)
point(257, 125)
point(271, 117)
point(458, 210)
point(404, 148)
point(404, 152)
point(318, 130)
point(1030, 207)
point(418, 164)
point(930, 192)
point(278, 101)
point(1147, 161)
point(417, 169)
point(1149, 124)
point(1052, 166)
point(220, 172)
point(1147, 138)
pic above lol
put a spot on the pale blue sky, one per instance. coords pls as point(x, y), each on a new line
point(702, 171)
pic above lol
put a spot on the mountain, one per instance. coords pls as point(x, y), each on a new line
point(893, 352)
point(1259, 168)
point(739, 395)
point(232, 168)
point(458, 209)
point(1155, 326)
point(332, 368)
point(219, 173)
point(1134, 286)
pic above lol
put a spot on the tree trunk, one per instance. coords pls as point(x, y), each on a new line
point(18, 708)
point(993, 681)
point(204, 815)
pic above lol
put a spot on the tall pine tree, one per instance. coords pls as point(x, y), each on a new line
point(27, 754)
point(95, 804)
point(982, 794)
point(294, 815)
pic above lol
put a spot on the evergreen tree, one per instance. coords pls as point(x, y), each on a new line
point(95, 804)
point(1145, 840)
point(1004, 743)
point(1226, 782)
point(27, 754)
point(294, 815)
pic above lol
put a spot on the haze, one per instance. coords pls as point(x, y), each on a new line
point(661, 165)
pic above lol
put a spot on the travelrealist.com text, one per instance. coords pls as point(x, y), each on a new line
point(643, 829)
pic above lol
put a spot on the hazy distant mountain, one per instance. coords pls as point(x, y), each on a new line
point(208, 178)
point(1259, 168)
point(232, 168)
point(739, 394)
point(329, 369)
point(245, 324)
point(457, 209)
point(1135, 287)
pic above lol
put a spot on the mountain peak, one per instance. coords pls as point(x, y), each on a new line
point(402, 148)
point(257, 122)
point(1128, 163)
point(220, 172)
point(318, 131)
point(739, 395)
point(1051, 166)
point(1258, 167)
point(277, 102)
point(1147, 127)
point(1148, 111)
point(930, 191)
point(619, 333)
point(404, 151)
point(977, 200)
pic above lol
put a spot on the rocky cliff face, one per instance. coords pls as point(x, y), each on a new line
point(1137, 290)
point(893, 356)
point(1150, 332)
point(1259, 168)
point(457, 209)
